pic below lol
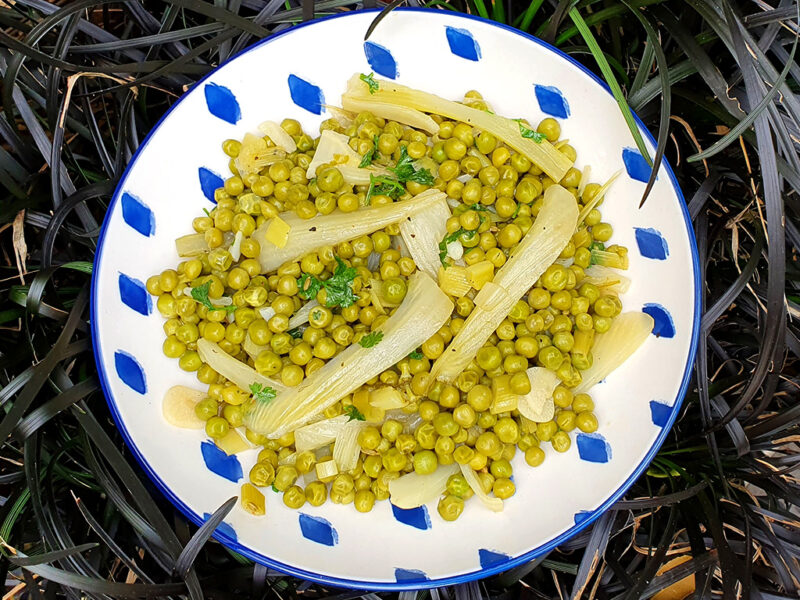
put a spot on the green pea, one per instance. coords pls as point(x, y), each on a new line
point(406, 443)
point(488, 443)
point(604, 307)
point(394, 460)
point(489, 358)
point(262, 474)
point(444, 448)
point(391, 429)
point(394, 289)
point(563, 340)
point(372, 465)
point(555, 278)
point(601, 324)
point(316, 493)
point(190, 361)
point(565, 419)
point(450, 507)
point(550, 128)
point(369, 438)
point(285, 477)
point(550, 357)
point(546, 431)
point(444, 424)
point(206, 408)
point(173, 347)
point(217, 427)
point(425, 462)
point(534, 456)
point(602, 232)
point(294, 497)
point(561, 441)
point(457, 486)
point(364, 500)
point(520, 383)
point(425, 435)
point(507, 430)
point(586, 422)
point(503, 488)
point(268, 363)
point(455, 149)
point(233, 414)
point(582, 403)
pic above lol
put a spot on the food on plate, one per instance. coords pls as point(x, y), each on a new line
point(397, 308)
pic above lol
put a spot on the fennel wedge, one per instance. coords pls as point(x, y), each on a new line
point(541, 246)
point(423, 311)
point(306, 235)
point(385, 100)
point(628, 331)
point(422, 232)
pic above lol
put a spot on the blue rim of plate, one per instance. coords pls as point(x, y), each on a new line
point(457, 579)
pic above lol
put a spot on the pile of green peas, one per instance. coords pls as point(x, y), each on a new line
point(455, 423)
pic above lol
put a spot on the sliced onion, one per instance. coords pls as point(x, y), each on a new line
point(413, 490)
point(178, 407)
point(537, 405)
point(491, 502)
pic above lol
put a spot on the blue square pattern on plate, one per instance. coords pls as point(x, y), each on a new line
point(384, 59)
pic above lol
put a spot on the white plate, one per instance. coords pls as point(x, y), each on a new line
point(174, 172)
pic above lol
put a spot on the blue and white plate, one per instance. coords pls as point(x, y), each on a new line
point(294, 74)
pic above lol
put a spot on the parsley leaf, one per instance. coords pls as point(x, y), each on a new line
point(200, 293)
point(371, 339)
point(369, 155)
point(308, 286)
point(370, 81)
point(595, 248)
point(263, 393)
point(530, 133)
point(416, 355)
point(354, 414)
point(296, 333)
point(450, 237)
point(405, 170)
point(339, 287)
point(384, 185)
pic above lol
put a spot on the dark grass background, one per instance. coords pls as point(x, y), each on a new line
point(83, 81)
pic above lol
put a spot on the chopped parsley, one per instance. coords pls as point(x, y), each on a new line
point(200, 293)
point(405, 170)
point(274, 489)
point(383, 185)
point(354, 414)
point(369, 156)
point(371, 339)
point(296, 333)
point(416, 355)
point(370, 81)
point(339, 287)
point(595, 248)
point(263, 393)
point(450, 237)
point(526, 132)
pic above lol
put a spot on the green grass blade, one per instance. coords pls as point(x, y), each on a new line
point(608, 75)
point(480, 8)
point(498, 11)
point(529, 14)
point(645, 66)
